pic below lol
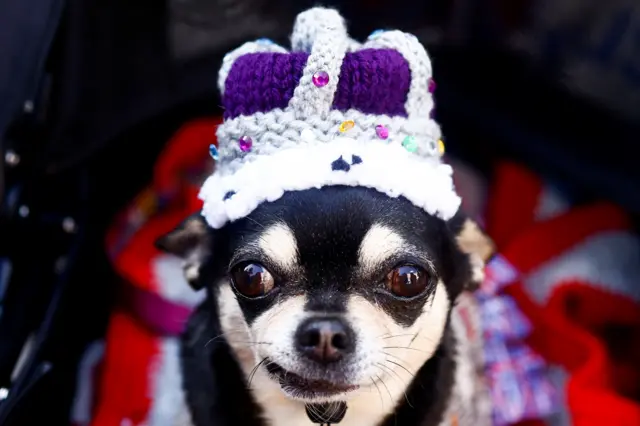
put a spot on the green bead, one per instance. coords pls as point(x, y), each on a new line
point(409, 143)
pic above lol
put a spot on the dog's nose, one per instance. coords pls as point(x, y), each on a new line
point(324, 340)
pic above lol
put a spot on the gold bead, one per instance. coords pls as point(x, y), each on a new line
point(440, 146)
point(346, 125)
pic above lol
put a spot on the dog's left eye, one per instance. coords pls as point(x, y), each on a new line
point(407, 281)
point(252, 280)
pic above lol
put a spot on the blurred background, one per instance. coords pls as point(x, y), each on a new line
point(107, 109)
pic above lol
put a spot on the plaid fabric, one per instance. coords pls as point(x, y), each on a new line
point(520, 388)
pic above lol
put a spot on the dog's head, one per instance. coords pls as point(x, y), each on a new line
point(328, 291)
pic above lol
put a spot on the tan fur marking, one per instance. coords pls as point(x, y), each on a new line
point(378, 244)
point(478, 246)
point(280, 245)
point(233, 324)
point(472, 240)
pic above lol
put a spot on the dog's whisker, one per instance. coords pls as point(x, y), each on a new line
point(405, 369)
point(317, 412)
point(401, 366)
point(388, 391)
point(399, 359)
point(314, 411)
point(414, 337)
point(225, 335)
point(228, 337)
point(378, 388)
point(403, 383)
point(254, 370)
point(383, 335)
point(396, 335)
point(394, 356)
point(249, 218)
point(320, 414)
point(248, 342)
point(404, 347)
point(244, 342)
point(334, 410)
point(213, 339)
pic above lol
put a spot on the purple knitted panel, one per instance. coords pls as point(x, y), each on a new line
point(260, 82)
point(374, 81)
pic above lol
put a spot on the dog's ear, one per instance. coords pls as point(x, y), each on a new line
point(191, 241)
point(475, 243)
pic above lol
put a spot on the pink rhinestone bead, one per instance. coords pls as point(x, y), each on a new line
point(245, 143)
point(382, 131)
point(432, 85)
point(320, 79)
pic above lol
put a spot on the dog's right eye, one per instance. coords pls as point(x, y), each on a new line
point(252, 280)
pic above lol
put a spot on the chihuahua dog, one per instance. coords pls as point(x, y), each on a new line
point(326, 306)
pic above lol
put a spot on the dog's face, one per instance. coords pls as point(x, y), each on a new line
point(329, 292)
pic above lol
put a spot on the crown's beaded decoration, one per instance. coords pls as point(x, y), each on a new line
point(382, 132)
point(321, 78)
point(375, 34)
point(213, 152)
point(345, 126)
point(432, 85)
point(441, 147)
point(245, 143)
point(410, 144)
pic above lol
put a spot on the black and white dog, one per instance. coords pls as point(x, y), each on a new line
point(328, 305)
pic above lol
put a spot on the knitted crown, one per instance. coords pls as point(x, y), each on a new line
point(330, 112)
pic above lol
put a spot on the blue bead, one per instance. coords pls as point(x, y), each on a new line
point(264, 41)
point(375, 34)
point(213, 151)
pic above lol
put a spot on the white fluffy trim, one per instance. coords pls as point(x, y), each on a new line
point(386, 167)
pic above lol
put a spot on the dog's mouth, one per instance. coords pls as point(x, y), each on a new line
point(300, 387)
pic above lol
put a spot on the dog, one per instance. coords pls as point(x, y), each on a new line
point(326, 306)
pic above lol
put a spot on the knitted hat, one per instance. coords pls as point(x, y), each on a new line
point(330, 112)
